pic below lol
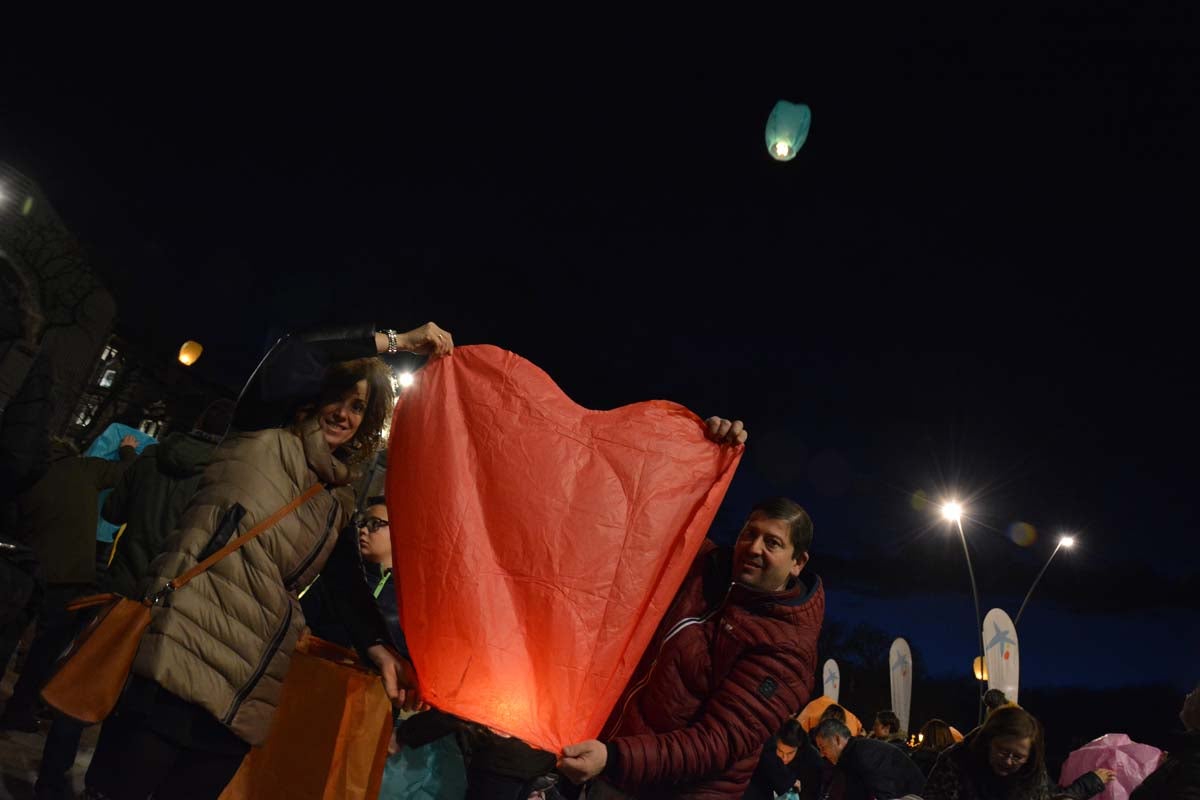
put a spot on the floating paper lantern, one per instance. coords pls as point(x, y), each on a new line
point(190, 352)
point(787, 128)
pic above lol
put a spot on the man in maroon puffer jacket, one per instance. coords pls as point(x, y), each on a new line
point(734, 656)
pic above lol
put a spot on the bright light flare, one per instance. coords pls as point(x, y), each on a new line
point(952, 511)
point(406, 380)
point(782, 149)
point(1067, 542)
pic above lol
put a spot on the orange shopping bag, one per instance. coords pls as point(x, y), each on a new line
point(330, 734)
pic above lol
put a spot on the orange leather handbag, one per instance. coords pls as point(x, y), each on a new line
point(93, 672)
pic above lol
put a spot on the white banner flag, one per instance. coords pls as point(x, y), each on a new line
point(832, 679)
point(900, 660)
point(1003, 657)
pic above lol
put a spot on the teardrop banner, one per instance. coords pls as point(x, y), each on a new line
point(900, 664)
point(538, 543)
point(831, 679)
point(1002, 653)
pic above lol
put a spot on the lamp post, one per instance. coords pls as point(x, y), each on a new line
point(1065, 541)
point(953, 512)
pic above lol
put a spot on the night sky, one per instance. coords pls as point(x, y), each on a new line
point(972, 281)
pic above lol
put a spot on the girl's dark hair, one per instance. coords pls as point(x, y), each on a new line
point(790, 733)
point(1017, 723)
point(936, 736)
point(340, 378)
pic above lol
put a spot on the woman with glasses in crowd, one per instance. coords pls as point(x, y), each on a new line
point(1004, 759)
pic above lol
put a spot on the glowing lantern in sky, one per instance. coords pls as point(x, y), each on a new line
point(190, 352)
point(787, 128)
point(980, 668)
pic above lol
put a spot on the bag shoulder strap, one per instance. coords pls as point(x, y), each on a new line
point(253, 533)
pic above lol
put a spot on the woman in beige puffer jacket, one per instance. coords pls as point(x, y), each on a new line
point(208, 676)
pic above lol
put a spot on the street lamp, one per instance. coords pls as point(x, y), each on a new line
point(1065, 541)
point(953, 511)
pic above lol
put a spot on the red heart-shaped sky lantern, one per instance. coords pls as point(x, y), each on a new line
point(537, 544)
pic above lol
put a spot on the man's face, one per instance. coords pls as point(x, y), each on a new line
point(785, 752)
point(763, 557)
point(878, 730)
point(831, 747)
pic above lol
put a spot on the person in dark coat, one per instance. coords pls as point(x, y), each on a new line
point(935, 737)
point(871, 768)
point(25, 390)
point(1004, 759)
point(788, 761)
point(1178, 775)
point(59, 514)
point(152, 495)
point(148, 501)
point(372, 538)
point(886, 728)
point(734, 656)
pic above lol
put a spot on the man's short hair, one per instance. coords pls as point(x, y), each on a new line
point(888, 719)
point(830, 728)
point(800, 525)
point(834, 711)
point(993, 699)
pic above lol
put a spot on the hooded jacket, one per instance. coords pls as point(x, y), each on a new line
point(58, 514)
point(149, 501)
point(726, 667)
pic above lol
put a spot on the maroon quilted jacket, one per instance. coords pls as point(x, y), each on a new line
point(725, 668)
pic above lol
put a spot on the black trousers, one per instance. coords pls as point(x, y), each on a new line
point(132, 762)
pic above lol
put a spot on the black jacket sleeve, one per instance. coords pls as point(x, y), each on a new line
point(1086, 785)
point(293, 370)
point(351, 597)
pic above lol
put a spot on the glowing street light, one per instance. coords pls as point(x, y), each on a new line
point(952, 511)
point(1065, 541)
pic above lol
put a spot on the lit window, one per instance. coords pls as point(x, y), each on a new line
point(106, 380)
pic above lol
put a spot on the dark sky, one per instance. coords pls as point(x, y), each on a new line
point(973, 280)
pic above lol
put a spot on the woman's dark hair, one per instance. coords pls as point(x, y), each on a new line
point(833, 712)
point(1017, 723)
point(800, 525)
point(341, 378)
point(936, 736)
point(791, 733)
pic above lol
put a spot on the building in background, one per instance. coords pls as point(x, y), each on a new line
point(71, 312)
point(136, 385)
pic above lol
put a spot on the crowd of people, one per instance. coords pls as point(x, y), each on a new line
point(711, 710)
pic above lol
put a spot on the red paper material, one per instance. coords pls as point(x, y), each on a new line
point(538, 544)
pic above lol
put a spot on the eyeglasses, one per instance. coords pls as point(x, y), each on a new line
point(1012, 758)
point(372, 524)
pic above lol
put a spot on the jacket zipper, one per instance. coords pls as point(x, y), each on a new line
point(675, 630)
point(312, 556)
point(276, 641)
